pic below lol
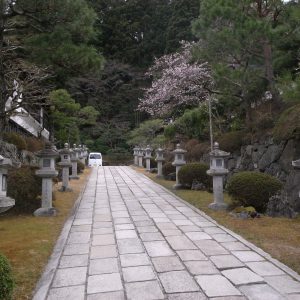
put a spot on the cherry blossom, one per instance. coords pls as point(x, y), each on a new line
point(177, 83)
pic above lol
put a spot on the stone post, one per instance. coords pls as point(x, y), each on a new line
point(178, 163)
point(148, 156)
point(74, 159)
point(296, 165)
point(160, 159)
point(5, 202)
point(140, 156)
point(47, 172)
point(65, 163)
point(217, 171)
point(136, 155)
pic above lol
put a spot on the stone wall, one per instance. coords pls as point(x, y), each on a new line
point(274, 159)
point(18, 157)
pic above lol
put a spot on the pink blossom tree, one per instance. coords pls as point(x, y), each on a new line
point(177, 83)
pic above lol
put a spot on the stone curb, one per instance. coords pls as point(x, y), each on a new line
point(43, 285)
point(266, 255)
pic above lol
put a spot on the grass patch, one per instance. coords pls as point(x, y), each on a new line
point(278, 236)
point(28, 241)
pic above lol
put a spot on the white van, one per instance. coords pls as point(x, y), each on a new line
point(95, 159)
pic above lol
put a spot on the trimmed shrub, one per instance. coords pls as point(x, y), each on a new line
point(16, 139)
point(6, 279)
point(253, 189)
point(25, 187)
point(168, 168)
point(288, 124)
point(231, 141)
point(80, 167)
point(194, 172)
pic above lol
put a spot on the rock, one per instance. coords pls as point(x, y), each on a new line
point(292, 188)
point(271, 155)
point(279, 206)
point(171, 176)
point(198, 186)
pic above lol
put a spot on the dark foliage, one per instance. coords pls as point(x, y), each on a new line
point(194, 172)
point(25, 187)
point(6, 279)
point(253, 189)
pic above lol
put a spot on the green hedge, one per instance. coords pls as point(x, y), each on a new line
point(194, 171)
point(6, 279)
point(25, 187)
point(168, 168)
point(253, 189)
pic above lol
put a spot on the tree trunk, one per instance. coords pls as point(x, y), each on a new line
point(3, 90)
point(269, 73)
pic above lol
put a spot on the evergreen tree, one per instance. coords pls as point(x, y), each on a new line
point(132, 31)
point(240, 40)
point(179, 26)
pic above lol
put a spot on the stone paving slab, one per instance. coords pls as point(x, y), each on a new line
point(132, 239)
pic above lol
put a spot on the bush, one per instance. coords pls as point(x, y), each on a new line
point(153, 163)
point(253, 189)
point(288, 125)
point(231, 141)
point(168, 168)
point(80, 167)
point(194, 171)
point(25, 187)
point(16, 139)
point(6, 279)
point(34, 144)
point(199, 150)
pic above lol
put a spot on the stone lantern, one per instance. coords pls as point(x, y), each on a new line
point(136, 155)
point(85, 154)
point(5, 202)
point(178, 163)
point(148, 156)
point(65, 163)
point(140, 156)
point(217, 171)
point(74, 160)
point(47, 172)
point(80, 154)
point(160, 159)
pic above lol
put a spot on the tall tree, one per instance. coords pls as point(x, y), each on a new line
point(179, 25)
point(40, 41)
point(240, 40)
point(132, 31)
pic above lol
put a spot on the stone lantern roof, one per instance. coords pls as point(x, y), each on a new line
point(48, 151)
point(296, 164)
point(178, 150)
point(5, 162)
point(65, 150)
point(216, 152)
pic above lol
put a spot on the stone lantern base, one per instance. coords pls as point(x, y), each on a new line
point(218, 206)
point(65, 189)
point(45, 212)
point(177, 186)
point(6, 203)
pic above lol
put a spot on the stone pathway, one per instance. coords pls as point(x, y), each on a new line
point(132, 239)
